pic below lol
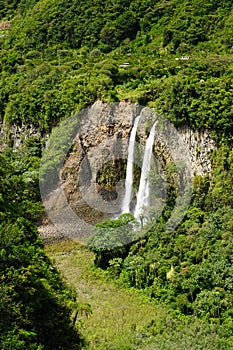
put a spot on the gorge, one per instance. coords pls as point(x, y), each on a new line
point(116, 175)
point(100, 168)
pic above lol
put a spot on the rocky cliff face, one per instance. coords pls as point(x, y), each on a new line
point(15, 135)
point(94, 171)
point(200, 145)
point(104, 132)
point(183, 144)
point(92, 176)
point(114, 122)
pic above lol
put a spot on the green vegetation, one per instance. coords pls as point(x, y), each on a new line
point(189, 268)
point(111, 239)
point(36, 306)
point(58, 57)
point(126, 319)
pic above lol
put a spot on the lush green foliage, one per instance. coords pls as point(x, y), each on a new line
point(19, 193)
point(34, 299)
point(124, 318)
point(111, 239)
point(58, 57)
point(35, 304)
point(190, 268)
point(181, 25)
point(7, 8)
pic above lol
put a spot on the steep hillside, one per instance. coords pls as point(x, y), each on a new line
point(178, 25)
point(36, 305)
point(57, 57)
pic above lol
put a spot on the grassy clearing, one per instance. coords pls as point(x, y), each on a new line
point(118, 316)
point(123, 319)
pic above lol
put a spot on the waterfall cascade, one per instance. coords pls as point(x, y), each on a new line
point(129, 169)
point(143, 196)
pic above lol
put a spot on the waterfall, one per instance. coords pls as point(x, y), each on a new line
point(129, 170)
point(143, 196)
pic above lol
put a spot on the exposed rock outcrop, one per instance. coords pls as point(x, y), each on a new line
point(93, 170)
point(15, 135)
point(201, 146)
point(91, 187)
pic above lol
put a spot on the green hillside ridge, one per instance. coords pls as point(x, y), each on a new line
point(36, 305)
point(58, 57)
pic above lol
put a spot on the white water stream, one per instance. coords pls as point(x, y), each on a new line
point(143, 196)
point(129, 170)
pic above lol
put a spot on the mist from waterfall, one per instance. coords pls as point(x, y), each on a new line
point(129, 169)
point(143, 196)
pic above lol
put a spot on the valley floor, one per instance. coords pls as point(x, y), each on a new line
point(118, 316)
point(124, 319)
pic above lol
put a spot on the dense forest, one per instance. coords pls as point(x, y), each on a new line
point(57, 58)
point(36, 306)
